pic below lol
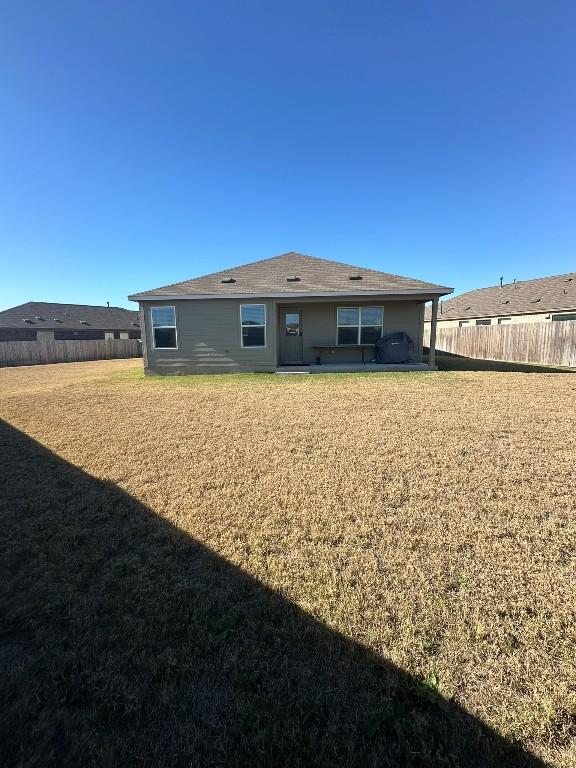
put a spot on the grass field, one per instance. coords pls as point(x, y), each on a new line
point(351, 570)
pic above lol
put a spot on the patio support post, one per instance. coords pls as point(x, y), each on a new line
point(434, 319)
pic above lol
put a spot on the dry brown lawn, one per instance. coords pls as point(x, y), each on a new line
point(314, 570)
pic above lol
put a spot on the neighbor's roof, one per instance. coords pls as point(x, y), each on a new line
point(292, 274)
point(47, 315)
point(545, 294)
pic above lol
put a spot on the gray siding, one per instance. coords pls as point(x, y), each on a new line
point(209, 339)
point(209, 333)
point(319, 325)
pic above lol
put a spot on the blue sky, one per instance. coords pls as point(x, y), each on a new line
point(143, 143)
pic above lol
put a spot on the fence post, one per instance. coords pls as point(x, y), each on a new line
point(434, 320)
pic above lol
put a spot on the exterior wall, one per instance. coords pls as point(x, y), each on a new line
point(209, 339)
point(542, 317)
point(17, 334)
point(44, 335)
point(65, 334)
point(209, 334)
point(92, 334)
point(319, 326)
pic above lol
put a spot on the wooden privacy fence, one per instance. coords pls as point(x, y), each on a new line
point(41, 352)
point(552, 343)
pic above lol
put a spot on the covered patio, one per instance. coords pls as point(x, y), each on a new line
point(321, 335)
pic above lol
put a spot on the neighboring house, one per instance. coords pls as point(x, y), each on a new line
point(546, 299)
point(288, 310)
point(46, 321)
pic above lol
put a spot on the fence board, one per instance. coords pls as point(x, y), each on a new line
point(42, 352)
point(552, 343)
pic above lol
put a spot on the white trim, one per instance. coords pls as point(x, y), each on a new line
point(436, 291)
point(265, 326)
point(360, 325)
point(175, 326)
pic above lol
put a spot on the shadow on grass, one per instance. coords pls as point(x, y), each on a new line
point(125, 642)
point(447, 361)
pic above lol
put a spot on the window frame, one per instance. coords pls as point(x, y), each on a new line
point(563, 317)
point(360, 325)
point(463, 323)
point(486, 321)
point(153, 327)
point(504, 321)
point(263, 325)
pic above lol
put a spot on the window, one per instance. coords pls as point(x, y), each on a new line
point(567, 316)
point(359, 325)
point(292, 323)
point(253, 325)
point(504, 320)
point(164, 327)
point(462, 323)
point(484, 322)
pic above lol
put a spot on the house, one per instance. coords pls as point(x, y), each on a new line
point(546, 299)
point(46, 321)
point(288, 310)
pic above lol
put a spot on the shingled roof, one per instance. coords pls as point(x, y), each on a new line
point(44, 315)
point(293, 274)
point(545, 294)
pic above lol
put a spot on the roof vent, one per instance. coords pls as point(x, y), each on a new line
point(57, 321)
point(228, 280)
point(136, 324)
point(39, 318)
point(535, 301)
point(355, 277)
point(84, 322)
point(293, 279)
point(27, 320)
point(467, 308)
point(568, 279)
point(506, 302)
